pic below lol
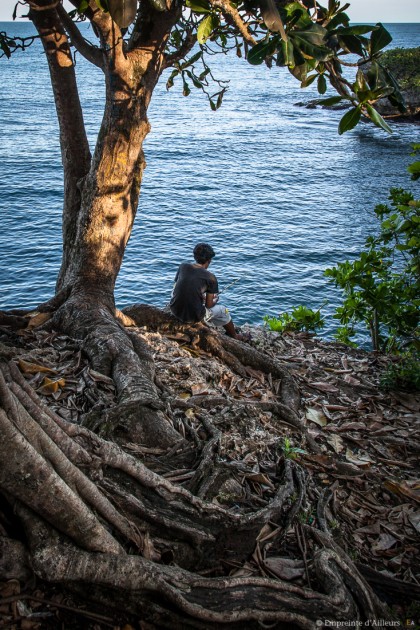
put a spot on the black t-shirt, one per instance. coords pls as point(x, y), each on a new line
point(191, 285)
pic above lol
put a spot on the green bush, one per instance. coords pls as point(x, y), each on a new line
point(301, 318)
point(403, 374)
point(381, 288)
point(404, 63)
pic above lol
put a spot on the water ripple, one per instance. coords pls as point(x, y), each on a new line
point(272, 186)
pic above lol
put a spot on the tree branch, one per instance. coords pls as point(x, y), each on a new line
point(89, 52)
point(186, 47)
point(111, 37)
point(75, 153)
point(233, 16)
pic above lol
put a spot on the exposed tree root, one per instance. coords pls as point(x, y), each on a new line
point(14, 321)
point(177, 504)
point(127, 360)
point(235, 354)
point(217, 601)
point(96, 515)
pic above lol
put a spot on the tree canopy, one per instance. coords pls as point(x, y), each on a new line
point(316, 43)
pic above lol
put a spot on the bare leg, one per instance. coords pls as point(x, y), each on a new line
point(230, 330)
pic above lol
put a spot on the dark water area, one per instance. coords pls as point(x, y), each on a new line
point(271, 186)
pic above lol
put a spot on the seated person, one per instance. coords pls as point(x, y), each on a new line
point(194, 298)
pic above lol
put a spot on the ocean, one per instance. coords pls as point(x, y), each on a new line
point(272, 186)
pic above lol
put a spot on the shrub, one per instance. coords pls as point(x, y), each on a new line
point(381, 288)
point(403, 374)
point(301, 318)
point(404, 63)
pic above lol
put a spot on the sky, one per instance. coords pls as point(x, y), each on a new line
point(359, 11)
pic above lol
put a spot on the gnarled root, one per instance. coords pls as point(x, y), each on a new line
point(235, 354)
point(96, 515)
point(43, 474)
point(216, 602)
point(123, 356)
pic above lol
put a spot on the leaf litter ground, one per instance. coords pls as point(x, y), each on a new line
point(359, 452)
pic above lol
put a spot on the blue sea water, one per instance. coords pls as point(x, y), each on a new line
point(273, 187)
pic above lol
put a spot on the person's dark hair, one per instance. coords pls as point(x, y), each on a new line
point(203, 252)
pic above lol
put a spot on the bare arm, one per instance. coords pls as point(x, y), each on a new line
point(211, 299)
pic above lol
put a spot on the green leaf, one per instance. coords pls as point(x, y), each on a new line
point(332, 100)
point(299, 72)
point(358, 29)
point(308, 81)
point(83, 6)
point(377, 119)
point(297, 16)
point(414, 169)
point(349, 120)
point(271, 15)
point(396, 98)
point(340, 18)
point(287, 48)
point(376, 76)
point(194, 79)
point(311, 42)
point(203, 75)
point(379, 39)
point(198, 6)
point(360, 83)
point(352, 44)
point(206, 27)
point(259, 52)
point(4, 46)
point(192, 60)
point(170, 81)
point(364, 96)
point(322, 84)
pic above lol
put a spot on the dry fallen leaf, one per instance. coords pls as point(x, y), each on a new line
point(260, 478)
point(351, 426)
point(49, 386)
point(199, 388)
point(317, 416)
point(385, 541)
point(358, 459)
point(33, 368)
point(324, 387)
point(409, 489)
point(374, 528)
point(38, 319)
point(336, 442)
point(414, 519)
point(351, 380)
point(101, 378)
point(285, 568)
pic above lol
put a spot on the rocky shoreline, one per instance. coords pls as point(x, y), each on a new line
point(403, 63)
point(412, 116)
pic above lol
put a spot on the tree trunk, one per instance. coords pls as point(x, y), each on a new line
point(109, 196)
point(101, 197)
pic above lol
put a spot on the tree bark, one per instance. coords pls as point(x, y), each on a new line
point(75, 152)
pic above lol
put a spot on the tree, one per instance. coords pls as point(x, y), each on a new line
point(69, 536)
